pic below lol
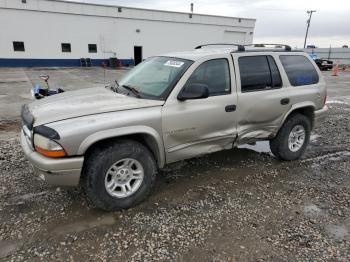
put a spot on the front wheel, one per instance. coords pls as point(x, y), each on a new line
point(292, 139)
point(120, 175)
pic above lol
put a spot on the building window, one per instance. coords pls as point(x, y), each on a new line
point(24, 1)
point(92, 48)
point(18, 46)
point(66, 48)
point(119, 10)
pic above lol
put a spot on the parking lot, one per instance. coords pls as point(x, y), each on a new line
point(235, 205)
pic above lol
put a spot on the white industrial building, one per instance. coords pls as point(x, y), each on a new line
point(60, 33)
point(337, 55)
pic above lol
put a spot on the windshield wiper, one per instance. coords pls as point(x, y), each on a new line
point(133, 90)
point(112, 87)
point(115, 88)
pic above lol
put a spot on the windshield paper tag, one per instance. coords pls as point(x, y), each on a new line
point(174, 63)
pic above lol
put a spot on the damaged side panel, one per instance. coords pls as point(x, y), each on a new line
point(201, 126)
point(199, 148)
point(198, 127)
point(263, 119)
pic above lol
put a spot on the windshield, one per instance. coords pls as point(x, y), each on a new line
point(155, 77)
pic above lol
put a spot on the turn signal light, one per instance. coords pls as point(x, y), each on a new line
point(48, 147)
point(53, 154)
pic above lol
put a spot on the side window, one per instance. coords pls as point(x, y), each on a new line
point(275, 73)
point(215, 74)
point(299, 69)
point(259, 73)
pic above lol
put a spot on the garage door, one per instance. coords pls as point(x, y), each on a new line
point(234, 37)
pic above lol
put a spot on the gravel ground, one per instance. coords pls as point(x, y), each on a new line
point(235, 205)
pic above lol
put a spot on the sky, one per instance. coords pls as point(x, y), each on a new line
point(278, 21)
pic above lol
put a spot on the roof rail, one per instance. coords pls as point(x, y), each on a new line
point(286, 47)
point(241, 48)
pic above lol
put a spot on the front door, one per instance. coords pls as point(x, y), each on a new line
point(202, 126)
point(137, 54)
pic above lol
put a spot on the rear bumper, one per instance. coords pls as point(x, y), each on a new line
point(320, 115)
point(58, 172)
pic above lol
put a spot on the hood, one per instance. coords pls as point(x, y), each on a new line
point(84, 102)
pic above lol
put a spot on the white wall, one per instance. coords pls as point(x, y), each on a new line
point(44, 25)
point(337, 55)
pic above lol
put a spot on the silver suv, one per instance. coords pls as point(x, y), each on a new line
point(172, 107)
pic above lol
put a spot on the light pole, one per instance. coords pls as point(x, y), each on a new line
point(308, 24)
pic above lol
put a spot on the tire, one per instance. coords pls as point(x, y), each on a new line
point(284, 149)
point(105, 163)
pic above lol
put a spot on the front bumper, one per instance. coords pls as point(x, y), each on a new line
point(320, 115)
point(56, 171)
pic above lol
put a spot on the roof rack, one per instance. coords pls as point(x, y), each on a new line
point(240, 47)
point(287, 48)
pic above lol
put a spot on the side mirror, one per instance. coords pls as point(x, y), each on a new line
point(193, 91)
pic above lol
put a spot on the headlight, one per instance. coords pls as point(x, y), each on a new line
point(48, 147)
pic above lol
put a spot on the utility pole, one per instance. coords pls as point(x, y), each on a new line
point(308, 24)
point(191, 14)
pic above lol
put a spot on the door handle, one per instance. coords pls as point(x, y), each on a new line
point(230, 108)
point(285, 101)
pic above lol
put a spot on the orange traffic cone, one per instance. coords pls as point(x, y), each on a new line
point(335, 70)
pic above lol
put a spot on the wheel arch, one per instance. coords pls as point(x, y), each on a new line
point(306, 108)
point(144, 135)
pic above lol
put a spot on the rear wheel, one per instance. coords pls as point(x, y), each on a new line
point(292, 139)
point(120, 175)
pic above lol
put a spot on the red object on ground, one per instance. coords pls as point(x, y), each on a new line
point(335, 70)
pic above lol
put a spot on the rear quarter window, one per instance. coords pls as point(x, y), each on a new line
point(300, 70)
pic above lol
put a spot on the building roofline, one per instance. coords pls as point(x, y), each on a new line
point(148, 9)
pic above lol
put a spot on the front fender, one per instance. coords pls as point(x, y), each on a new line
point(125, 131)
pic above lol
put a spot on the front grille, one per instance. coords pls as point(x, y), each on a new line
point(27, 117)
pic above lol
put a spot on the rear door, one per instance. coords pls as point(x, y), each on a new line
point(262, 100)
